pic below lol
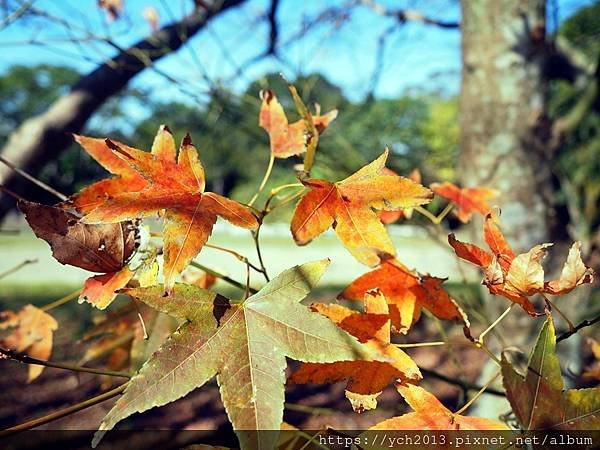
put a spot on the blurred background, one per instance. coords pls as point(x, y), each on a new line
point(496, 93)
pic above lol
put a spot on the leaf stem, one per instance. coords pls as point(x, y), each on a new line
point(256, 238)
point(9, 354)
point(65, 412)
point(429, 344)
point(436, 220)
point(17, 267)
point(560, 313)
point(496, 322)
point(479, 394)
point(263, 183)
point(225, 278)
point(61, 301)
point(239, 256)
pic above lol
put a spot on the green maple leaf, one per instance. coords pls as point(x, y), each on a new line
point(538, 399)
point(244, 345)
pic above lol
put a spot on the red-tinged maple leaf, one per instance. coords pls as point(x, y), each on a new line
point(30, 332)
point(468, 200)
point(290, 139)
point(388, 217)
point(518, 277)
point(366, 379)
point(407, 292)
point(100, 290)
point(175, 186)
point(348, 206)
point(430, 414)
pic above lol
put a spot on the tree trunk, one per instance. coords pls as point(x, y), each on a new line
point(504, 126)
point(507, 143)
point(42, 138)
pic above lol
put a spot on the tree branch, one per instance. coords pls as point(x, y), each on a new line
point(579, 326)
point(408, 15)
point(44, 137)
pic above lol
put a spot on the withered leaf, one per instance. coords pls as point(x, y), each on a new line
point(95, 247)
point(516, 277)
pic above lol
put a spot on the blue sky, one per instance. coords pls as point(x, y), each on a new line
point(417, 56)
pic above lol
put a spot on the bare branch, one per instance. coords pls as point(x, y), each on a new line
point(44, 137)
point(407, 15)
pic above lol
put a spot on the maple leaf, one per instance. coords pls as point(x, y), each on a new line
point(468, 200)
point(537, 397)
point(366, 379)
point(348, 206)
point(407, 292)
point(175, 187)
point(290, 139)
point(516, 277)
point(430, 414)
point(30, 332)
point(388, 217)
point(243, 344)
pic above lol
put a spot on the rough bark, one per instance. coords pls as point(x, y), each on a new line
point(508, 142)
point(504, 126)
point(42, 138)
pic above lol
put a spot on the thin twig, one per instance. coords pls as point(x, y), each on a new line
point(17, 267)
point(479, 394)
point(460, 383)
point(34, 180)
point(256, 238)
point(9, 354)
point(264, 180)
point(552, 305)
point(463, 384)
point(238, 256)
point(579, 326)
point(61, 301)
point(64, 412)
point(219, 275)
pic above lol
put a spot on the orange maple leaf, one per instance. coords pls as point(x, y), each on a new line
point(366, 379)
point(30, 332)
point(430, 414)
point(468, 200)
point(518, 277)
point(388, 217)
point(347, 205)
point(407, 292)
point(289, 139)
point(173, 186)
